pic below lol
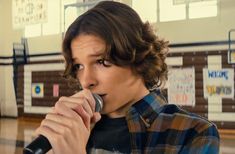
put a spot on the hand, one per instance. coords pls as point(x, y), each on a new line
point(68, 125)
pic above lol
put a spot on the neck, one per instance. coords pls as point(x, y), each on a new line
point(121, 112)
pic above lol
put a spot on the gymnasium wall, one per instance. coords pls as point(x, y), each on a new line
point(196, 30)
point(47, 75)
point(215, 107)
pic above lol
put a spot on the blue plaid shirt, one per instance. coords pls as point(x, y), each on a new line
point(157, 127)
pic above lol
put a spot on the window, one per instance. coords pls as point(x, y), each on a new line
point(203, 9)
point(74, 10)
point(151, 10)
point(58, 20)
point(55, 23)
point(142, 6)
point(70, 14)
point(170, 12)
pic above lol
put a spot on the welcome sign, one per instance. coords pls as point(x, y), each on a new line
point(218, 83)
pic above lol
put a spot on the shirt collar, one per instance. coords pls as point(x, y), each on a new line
point(149, 107)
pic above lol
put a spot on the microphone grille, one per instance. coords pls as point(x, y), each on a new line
point(98, 103)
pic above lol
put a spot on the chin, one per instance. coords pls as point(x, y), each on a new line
point(106, 111)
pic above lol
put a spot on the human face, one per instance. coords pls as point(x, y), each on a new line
point(118, 86)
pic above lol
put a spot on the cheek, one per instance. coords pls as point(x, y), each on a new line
point(117, 83)
point(117, 80)
point(114, 82)
point(118, 90)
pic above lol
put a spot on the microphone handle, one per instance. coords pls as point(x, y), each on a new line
point(40, 145)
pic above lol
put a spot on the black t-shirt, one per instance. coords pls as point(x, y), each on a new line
point(110, 135)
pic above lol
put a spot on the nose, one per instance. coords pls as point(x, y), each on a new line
point(87, 78)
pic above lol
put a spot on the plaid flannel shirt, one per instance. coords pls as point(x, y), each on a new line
point(157, 127)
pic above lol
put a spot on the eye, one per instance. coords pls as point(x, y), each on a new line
point(76, 67)
point(104, 62)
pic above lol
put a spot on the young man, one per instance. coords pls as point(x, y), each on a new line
point(112, 53)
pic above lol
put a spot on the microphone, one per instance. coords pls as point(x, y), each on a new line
point(41, 145)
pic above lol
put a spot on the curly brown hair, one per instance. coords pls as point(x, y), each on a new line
point(129, 41)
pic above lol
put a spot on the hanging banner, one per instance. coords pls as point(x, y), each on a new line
point(218, 83)
point(181, 86)
point(37, 90)
point(27, 12)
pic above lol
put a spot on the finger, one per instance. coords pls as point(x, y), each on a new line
point(78, 112)
point(53, 137)
point(58, 127)
point(85, 93)
point(61, 120)
point(84, 112)
point(96, 117)
point(56, 120)
point(84, 115)
point(62, 109)
point(73, 102)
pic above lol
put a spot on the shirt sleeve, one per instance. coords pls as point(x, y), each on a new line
point(205, 142)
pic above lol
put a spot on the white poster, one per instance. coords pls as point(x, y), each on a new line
point(218, 83)
point(181, 86)
point(27, 12)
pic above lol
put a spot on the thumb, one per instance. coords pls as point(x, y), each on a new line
point(96, 117)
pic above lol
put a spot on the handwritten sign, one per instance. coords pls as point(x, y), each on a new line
point(218, 83)
point(181, 89)
point(26, 12)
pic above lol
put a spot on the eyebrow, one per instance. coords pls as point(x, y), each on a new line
point(97, 54)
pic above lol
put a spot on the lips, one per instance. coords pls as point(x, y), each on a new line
point(102, 95)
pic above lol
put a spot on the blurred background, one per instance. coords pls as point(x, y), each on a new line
point(201, 59)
